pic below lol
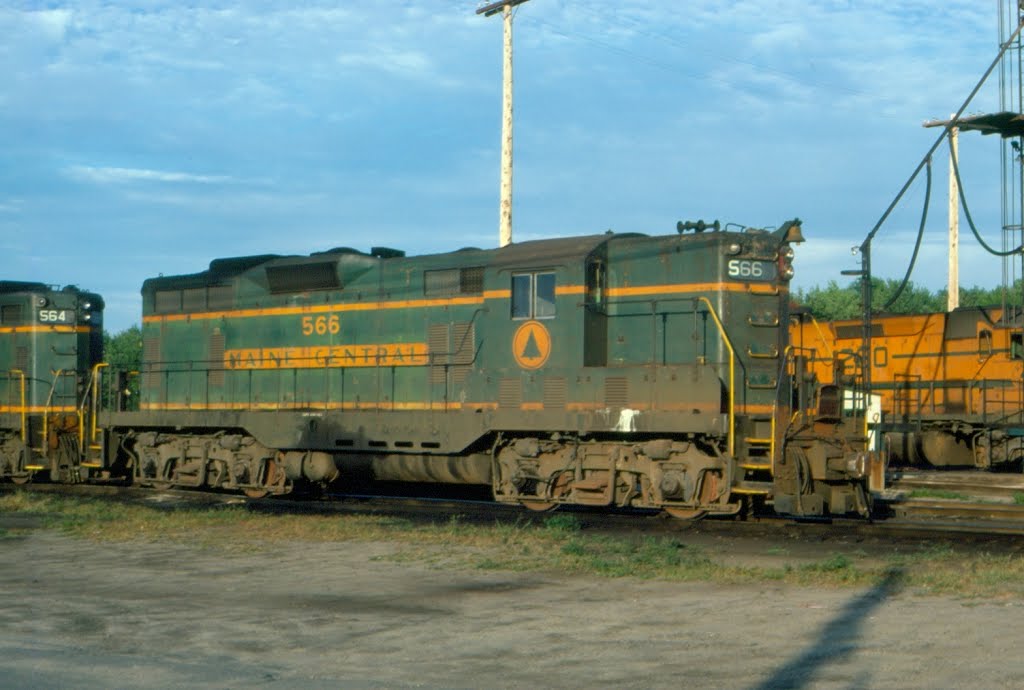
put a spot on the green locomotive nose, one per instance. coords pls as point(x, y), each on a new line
point(51, 345)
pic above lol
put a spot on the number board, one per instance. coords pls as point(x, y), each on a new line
point(58, 316)
point(751, 269)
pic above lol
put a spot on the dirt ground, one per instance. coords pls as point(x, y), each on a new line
point(346, 616)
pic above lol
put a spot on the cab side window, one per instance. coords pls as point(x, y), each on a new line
point(533, 295)
point(984, 344)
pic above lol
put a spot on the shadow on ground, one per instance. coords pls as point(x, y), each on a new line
point(837, 640)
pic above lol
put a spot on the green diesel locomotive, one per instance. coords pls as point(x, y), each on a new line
point(605, 370)
point(51, 346)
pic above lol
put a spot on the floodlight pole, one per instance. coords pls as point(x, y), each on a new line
point(953, 284)
point(505, 205)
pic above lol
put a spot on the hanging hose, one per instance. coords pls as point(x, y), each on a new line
point(920, 234)
point(967, 213)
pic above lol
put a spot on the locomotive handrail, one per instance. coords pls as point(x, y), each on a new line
point(732, 372)
point(94, 389)
point(46, 409)
point(821, 335)
point(24, 422)
point(166, 368)
point(907, 380)
point(88, 394)
point(983, 386)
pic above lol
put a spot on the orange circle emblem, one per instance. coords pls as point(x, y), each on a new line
point(531, 345)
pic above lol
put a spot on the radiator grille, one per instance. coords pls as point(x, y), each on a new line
point(151, 364)
point(437, 342)
point(616, 391)
point(464, 346)
point(216, 375)
point(555, 392)
point(453, 345)
point(510, 393)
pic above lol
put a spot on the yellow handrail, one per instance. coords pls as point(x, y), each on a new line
point(44, 448)
point(24, 423)
point(821, 335)
point(732, 374)
point(95, 398)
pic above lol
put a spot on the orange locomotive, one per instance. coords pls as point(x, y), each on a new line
point(950, 384)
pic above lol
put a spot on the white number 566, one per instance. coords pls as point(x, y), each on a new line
point(746, 269)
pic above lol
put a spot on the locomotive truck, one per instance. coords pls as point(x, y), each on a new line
point(614, 369)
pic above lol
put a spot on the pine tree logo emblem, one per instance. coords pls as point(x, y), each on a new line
point(531, 345)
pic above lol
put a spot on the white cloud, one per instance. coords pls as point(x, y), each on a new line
point(396, 61)
point(53, 23)
point(111, 175)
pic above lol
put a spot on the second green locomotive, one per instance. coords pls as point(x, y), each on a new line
point(606, 370)
point(51, 348)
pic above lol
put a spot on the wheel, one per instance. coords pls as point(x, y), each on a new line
point(686, 513)
point(21, 479)
point(271, 480)
point(539, 506)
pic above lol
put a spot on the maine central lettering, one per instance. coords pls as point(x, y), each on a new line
point(318, 357)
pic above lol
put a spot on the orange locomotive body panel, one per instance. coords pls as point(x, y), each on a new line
point(950, 384)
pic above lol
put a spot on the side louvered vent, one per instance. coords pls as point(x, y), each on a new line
point(437, 342)
point(616, 391)
point(453, 345)
point(216, 359)
point(21, 360)
point(464, 347)
point(151, 364)
point(555, 393)
point(510, 393)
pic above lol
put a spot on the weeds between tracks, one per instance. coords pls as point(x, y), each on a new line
point(557, 544)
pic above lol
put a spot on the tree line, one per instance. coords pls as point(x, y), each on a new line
point(834, 302)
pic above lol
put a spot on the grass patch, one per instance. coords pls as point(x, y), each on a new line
point(558, 544)
point(938, 493)
point(1018, 498)
point(564, 523)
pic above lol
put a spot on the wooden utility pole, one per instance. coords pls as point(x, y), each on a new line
point(953, 299)
point(505, 206)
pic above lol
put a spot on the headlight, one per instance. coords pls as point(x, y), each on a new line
point(788, 253)
point(86, 305)
point(787, 272)
point(734, 248)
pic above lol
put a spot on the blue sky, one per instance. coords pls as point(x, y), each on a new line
point(145, 138)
